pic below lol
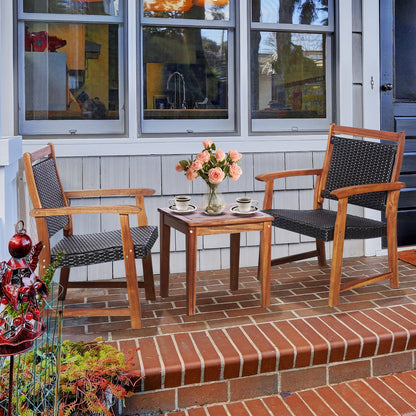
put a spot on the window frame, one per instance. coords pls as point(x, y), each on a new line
point(72, 126)
point(188, 126)
point(298, 124)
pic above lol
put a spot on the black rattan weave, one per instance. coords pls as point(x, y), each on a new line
point(50, 193)
point(85, 249)
point(353, 162)
point(358, 162)
point(319, 223)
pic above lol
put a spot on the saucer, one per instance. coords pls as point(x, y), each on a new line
point(191, 208)
point(234, 209)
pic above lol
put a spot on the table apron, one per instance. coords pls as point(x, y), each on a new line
point(227, 229)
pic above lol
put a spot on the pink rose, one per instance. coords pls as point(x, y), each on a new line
point(234, 155)
point(203, 156)
point(179, 167)
point(219, 155)
point(235, 171)
point(216, 175)
point(191, 174)
point(207, 143)
point(196, 164)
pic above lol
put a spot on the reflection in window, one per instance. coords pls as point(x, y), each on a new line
point(71, 71)
point(88, 7)
point(188, 9)
point(288, 75)
point(306, 12)
point(185, 73)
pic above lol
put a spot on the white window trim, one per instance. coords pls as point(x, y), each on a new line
point(51, 127)
point(259, 126)
point(186, 126)
point(131, 144)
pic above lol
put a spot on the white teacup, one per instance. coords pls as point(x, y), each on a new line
point(181, 202)
point(245, 203)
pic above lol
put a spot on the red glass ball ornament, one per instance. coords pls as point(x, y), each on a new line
point(17, 321)
point(4, 301)
point(20, 244)
point(29, 316)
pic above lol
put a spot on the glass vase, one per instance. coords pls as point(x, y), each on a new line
point(213, 202)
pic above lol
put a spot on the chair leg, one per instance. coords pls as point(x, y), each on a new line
point(131, 274)
point(337, 251)
point(335, 278)
point(63, 281)
point(392, 256)
point(149, 284)
point(320, 248)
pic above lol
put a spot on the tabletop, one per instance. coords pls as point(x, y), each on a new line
point(198, 218)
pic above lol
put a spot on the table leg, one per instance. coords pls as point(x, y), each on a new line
point(264, 263)
point(234, 260)
point(164, 256)
point(191, 253)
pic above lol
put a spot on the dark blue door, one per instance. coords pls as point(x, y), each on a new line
point(398, 98)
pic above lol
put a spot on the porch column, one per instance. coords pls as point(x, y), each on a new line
point(10, 145)
point(10, 153)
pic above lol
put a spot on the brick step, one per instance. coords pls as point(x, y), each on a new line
point(391, 395)
point(183, 370)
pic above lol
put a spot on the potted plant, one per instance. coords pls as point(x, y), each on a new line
point(93, 377)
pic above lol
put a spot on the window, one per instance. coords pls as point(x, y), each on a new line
point(72, 67)
point(187, 66)
point(191, 68)
point(290, 45)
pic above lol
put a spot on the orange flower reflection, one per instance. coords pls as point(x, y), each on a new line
point(219, 3)
point(168, 5)
point(179, 5)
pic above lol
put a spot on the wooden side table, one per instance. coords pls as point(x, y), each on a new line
point(197, 223)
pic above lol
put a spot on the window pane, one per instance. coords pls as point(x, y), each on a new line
point(288, 75)
point(188, 9)
point(306, 12)
point(185, 73)
point(71, 71)
point(98, 7)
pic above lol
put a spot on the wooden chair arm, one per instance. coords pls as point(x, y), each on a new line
point(91, 193)
point(266, 177)
point(270, 177)
point(93, 209)
point(367, 188)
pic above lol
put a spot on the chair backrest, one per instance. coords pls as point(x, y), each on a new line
point(353, 161)
point(45, 186)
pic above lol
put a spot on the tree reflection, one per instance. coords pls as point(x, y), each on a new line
point(285, 60)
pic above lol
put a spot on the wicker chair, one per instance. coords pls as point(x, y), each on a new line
point(355, 171)
point(53, 213)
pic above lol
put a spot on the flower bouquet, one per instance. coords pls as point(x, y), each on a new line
point(213, 166)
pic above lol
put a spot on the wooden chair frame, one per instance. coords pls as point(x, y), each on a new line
point(123, 211)
point(392, 188)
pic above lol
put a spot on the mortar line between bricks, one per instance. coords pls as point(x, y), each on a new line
point(222, 359)
point(295, 351)
point(356, 333)
point(259, 356)
point(240, 355)
point(401, 326)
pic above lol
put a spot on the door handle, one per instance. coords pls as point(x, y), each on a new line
point(388, 86)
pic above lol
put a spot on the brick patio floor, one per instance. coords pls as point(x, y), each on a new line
point(234, 345)
point(298, 290)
